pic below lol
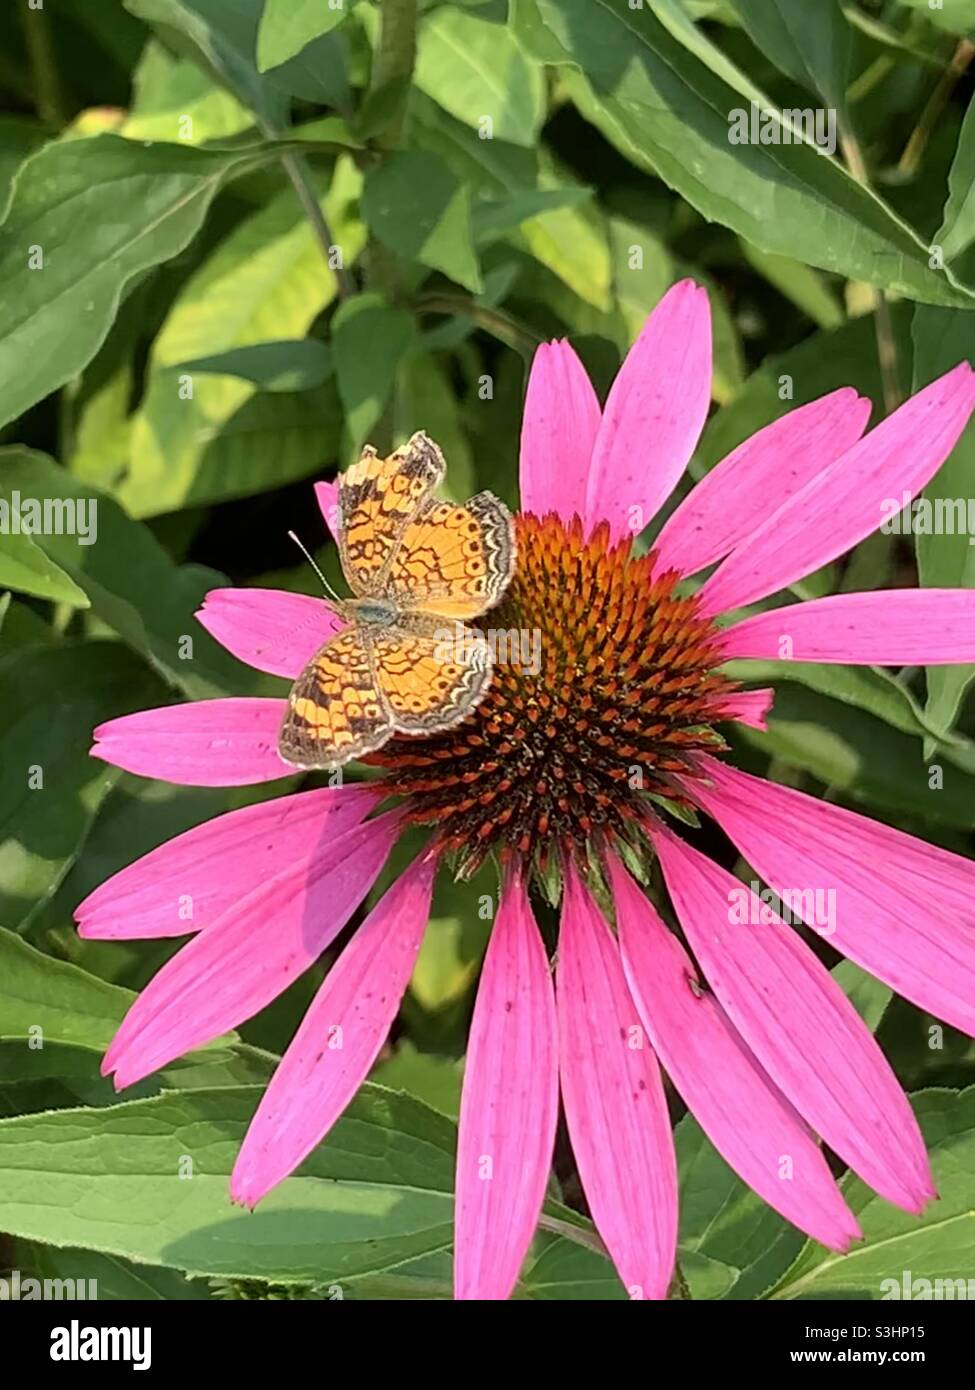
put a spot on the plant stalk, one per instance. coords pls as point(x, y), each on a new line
point(392, 64)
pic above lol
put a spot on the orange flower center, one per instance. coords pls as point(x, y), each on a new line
point(603, 689)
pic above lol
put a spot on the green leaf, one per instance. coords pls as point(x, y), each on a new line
point(376, 1193)
point(428, 1077)
point(61, 1075)
point(424, 394)
point(569, 241)
point(493, 219)
point(174, 100)
point(898, 1245)
point(267, 441)
point(115, 1279)
point(372, 1206)
point(67, 1005)
point(811, 43)
point(942, 338)
point(91, 215)
point(448, 962)
point(417, 208)
point(18, 139)
point(57, 1019)
point(224, 36)
point(23, 626)
point(805, 287)
point(957, 230)
point(739, 1244)
point(957, 16)
point(318, 73)
point(96, 409)
point(326, 130)
point(918, 43)
point(865, 759)
point(130, 581)
point(297, 365)
point(287, 26)
point(50, 789)
point(477, 71)
point(199, 440)
point(868, 995)
point(566, 1270)
point(868, 688)
point(491, 168)
point(25, 567)
point(650, 93)
point(643, 271)
point(369, 339)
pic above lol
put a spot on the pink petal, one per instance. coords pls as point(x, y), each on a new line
point(210, 743)
point(720, 512)
point(749, 707)
point(739, 1108)
point(614, 1101)
point(339, 1038)
point(270, 629)
point(327, 496)
point(188, 882)
point(799, 1024)
point(884, 627)
point(508, 1108)
point(904, 908)
point(558, 431)
point(248, 956)
point(654, 414)
point(832, 512)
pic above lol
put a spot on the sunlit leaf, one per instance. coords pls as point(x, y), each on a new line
point(86, 218)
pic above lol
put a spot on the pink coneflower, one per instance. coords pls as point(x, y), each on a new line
point(572, 769)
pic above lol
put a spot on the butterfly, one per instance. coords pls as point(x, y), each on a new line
point(418, 567)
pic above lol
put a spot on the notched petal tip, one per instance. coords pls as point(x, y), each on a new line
point(851, 1237)
point(686, 286)
point(242, 1192)
point(925, 1194)
point(750, 707)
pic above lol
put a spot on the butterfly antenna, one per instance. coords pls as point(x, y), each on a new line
point(322, 580)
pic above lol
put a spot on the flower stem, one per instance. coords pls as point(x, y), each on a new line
point(296, 167)
point(43, 68)
point(914, 149)
point(589, 1240)
point(392, 71)
point(883, 323)
point(392, 65)
point(499, 324)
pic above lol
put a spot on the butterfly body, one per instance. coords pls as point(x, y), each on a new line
point(368, 612)
point(418, 567)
